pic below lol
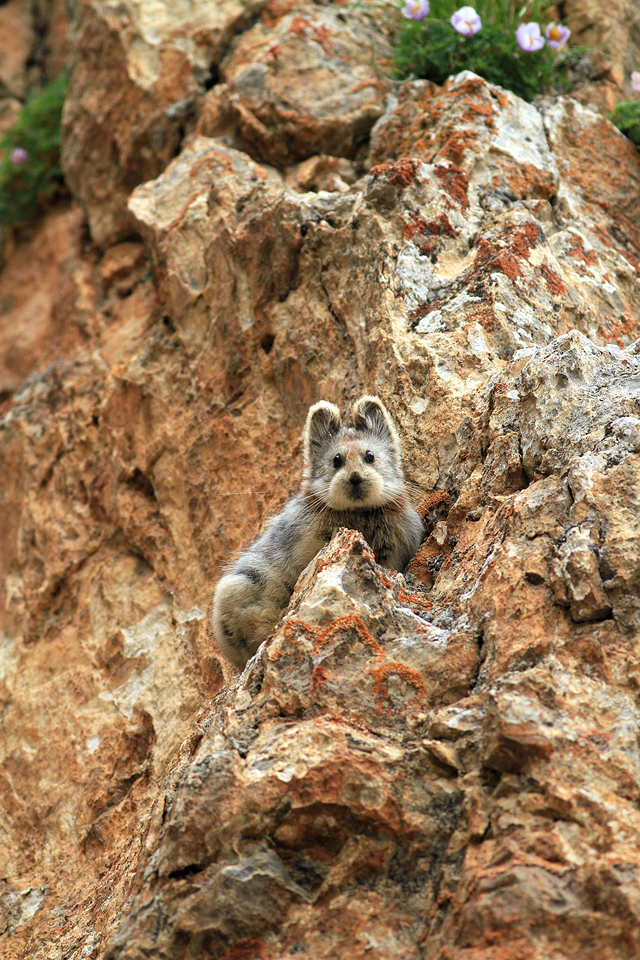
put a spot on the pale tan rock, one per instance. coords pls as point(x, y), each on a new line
point(9, 110)
point(17, 38)
point(139, 70)
point(31, 290)
point(609, 30)
point(333, 174)
point(578, 136)
point(55, 19)
point(119, 262)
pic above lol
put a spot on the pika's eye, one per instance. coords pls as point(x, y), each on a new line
point(337, 461)
point(369, 457)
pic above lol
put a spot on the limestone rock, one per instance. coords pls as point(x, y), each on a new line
point(610, 31)
point(314, 798)
point(477, 127)
point(139, 70)
point(32, 291)
point(444, 764)
point(308, 82)
point(17, 39)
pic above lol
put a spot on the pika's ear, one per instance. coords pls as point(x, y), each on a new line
point(370, 413)
point(323, 421)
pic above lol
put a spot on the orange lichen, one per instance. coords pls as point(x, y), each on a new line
point(349, 622)
point(291, 626)
point(485, 316)
point(470, 109)
point(273, 51)
point(421, 232)
point(194, 196)
point(368, 83)
point(381, 676)
point(424, 311)
point(275, 10)
point(402, 173)
point(553, 281)
point(318, 678)
point(455, 182)
point(522, 239)
point(427, 551)
point(629, 231)
point(212, 158)
point(414, 599)
point(306, 29)
point(578, 251)
point(491, 257)
point(433, 500)
point(619, 330)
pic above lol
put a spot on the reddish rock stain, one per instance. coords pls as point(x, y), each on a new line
point(402, 173)
point(578, 251)
point(417, 229)
point(553, 281)
point(455, 182)
point(305, 29)
point(381, 675)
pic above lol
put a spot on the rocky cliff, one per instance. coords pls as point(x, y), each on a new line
point(444, 765)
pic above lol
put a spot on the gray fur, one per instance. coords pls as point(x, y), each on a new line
point(351, 491)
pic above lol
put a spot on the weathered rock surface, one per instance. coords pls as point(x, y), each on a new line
point(444, 766)
point(17, 38)
point(138, 72)
point(35, 290)
point(610, 30)
point(141, 72)
point(267, 102)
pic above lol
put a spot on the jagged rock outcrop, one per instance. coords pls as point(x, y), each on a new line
point(608, 31)
point(441, 766)
point(299, 80)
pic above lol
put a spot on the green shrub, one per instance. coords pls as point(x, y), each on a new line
point(27, 188)
point(432, 50)
point(626, 116)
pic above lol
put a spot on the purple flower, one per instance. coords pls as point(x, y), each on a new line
point(416, 9)
point(557, 35)
point(466, 21)
point(18, 157)
point(528, 37)
point(635, 81)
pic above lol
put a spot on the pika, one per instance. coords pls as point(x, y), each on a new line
point(352, 478)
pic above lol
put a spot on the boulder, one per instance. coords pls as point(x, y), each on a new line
point(312, 81)
point(139, 70)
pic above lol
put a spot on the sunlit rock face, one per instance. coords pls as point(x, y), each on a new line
point(443, 765)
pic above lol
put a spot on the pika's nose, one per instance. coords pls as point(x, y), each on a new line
point(355, 479)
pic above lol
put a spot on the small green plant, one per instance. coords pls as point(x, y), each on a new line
point(500, 41)
point(626, 116)
point(30, 172)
